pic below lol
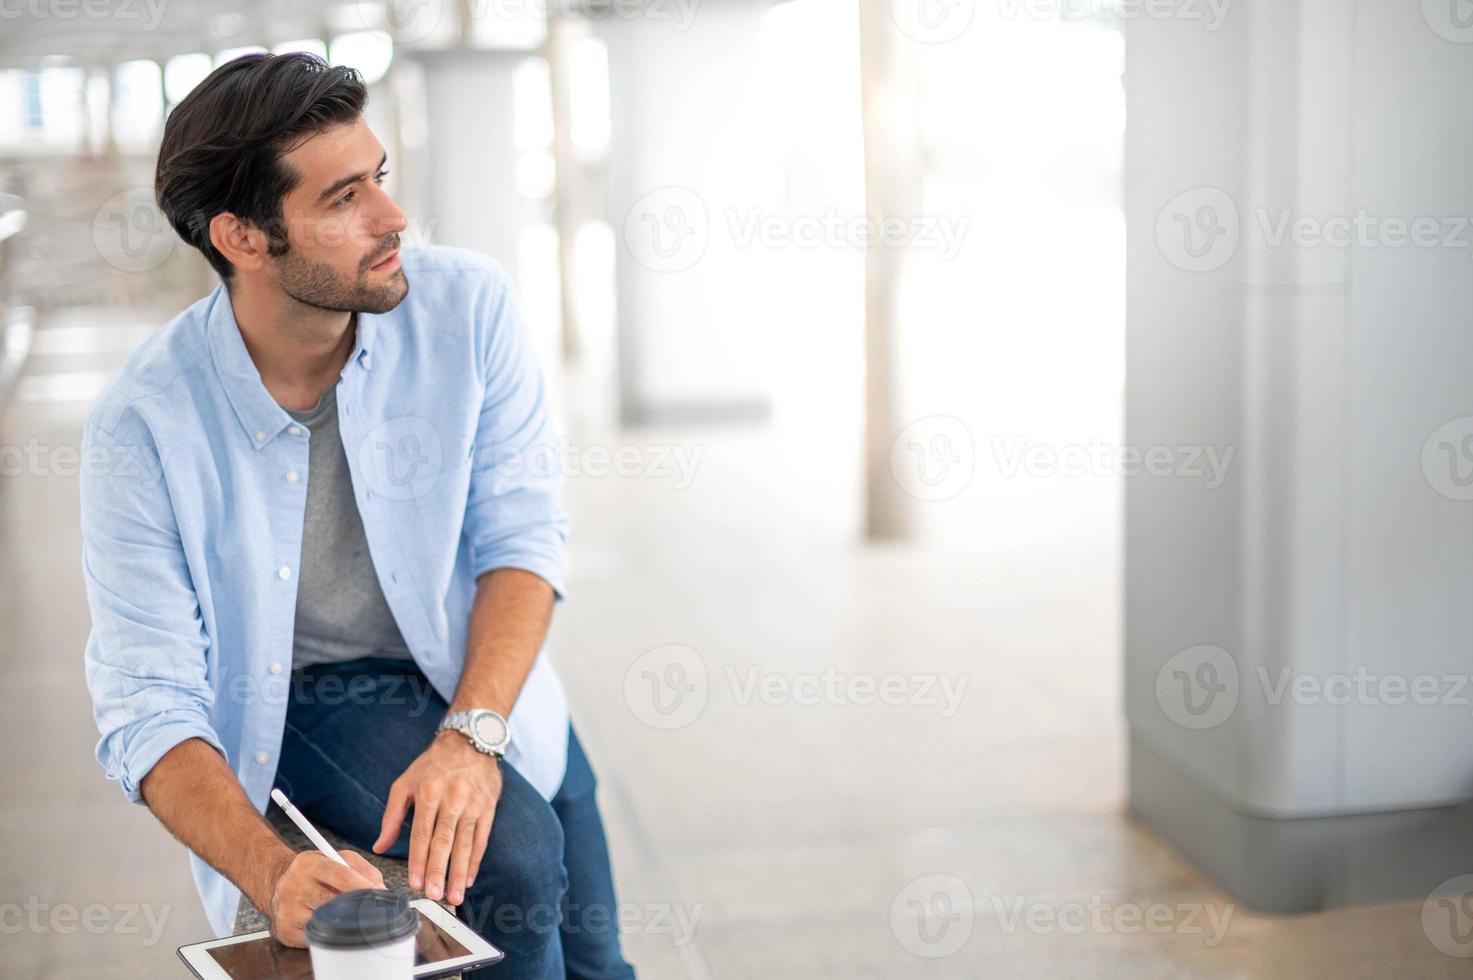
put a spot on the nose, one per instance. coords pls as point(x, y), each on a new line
point(389, 219)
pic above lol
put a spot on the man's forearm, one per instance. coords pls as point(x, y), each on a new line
point(195, 795)
point(508, 625)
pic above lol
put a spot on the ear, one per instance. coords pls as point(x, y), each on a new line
point(244, 245)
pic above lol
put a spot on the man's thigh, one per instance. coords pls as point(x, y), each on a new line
point(351, 730)
point(346, 742)
point(355, 727)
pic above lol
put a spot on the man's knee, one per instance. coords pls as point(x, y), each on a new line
point(521, 897)
point(521, 882)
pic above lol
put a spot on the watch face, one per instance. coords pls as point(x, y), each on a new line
point(489, 729)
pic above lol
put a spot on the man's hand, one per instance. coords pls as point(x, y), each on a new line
point(308, 880)
point(454, 789)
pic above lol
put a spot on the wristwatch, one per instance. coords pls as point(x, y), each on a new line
point(487, 730)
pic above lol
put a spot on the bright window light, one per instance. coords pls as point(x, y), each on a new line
point(61, 105)
point(588, 95)
point(138, 103)
point(532, 105)
point(183, 72)
point(368, 51)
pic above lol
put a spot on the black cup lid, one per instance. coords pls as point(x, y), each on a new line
point(365, 917)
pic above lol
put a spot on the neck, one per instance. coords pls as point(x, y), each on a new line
point(299, 349)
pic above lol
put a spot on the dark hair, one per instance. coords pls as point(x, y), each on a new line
point(223, 143)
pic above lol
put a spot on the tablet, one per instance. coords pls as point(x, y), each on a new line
point(444, 945)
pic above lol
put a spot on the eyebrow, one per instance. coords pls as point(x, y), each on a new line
point(342, 182)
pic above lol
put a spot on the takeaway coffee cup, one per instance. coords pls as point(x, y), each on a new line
point(366, 934)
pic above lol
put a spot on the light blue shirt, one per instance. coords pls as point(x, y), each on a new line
point(194, 486)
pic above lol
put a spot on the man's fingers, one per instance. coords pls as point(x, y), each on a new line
point(460, 859)
point(360, 864)
point(337, 879)
point(442, 842)
point(310, 893)
point(393, 820)
point(290, 930)
point(311, 879)
point(426, 808)
point(483, 834)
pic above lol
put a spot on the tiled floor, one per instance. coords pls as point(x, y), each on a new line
point(763, 835)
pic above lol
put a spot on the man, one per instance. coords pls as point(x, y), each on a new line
point(322, 546)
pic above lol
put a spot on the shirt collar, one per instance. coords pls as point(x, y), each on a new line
point(363, 348)
point(258, 413)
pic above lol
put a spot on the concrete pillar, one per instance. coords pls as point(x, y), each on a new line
point(1282, 307)
point(109, 138)
point(687, 157)
point(468, 183)
point(893, 171)
point(568, 212)
point(84, 146)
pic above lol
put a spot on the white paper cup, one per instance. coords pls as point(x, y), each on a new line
point(366, 934)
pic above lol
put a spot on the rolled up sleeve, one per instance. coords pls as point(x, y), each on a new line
point(146, 658)
point(514, 516)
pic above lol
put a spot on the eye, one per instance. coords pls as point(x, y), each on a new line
point(344, 199)
point(379, 177)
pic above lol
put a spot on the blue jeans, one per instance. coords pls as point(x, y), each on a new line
point(544, 893)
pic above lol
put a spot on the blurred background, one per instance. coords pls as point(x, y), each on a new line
point(837, 301)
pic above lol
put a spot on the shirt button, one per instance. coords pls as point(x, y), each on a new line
point(261, 758)
point(283, 573)
point(276, 667)
point(260, 437)
point(292, 477)
point(295, 430)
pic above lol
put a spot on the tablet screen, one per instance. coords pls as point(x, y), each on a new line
point(264, 958)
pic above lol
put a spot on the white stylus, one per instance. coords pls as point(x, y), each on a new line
point(306, 827)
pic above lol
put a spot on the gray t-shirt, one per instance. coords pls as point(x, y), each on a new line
point(341, 610)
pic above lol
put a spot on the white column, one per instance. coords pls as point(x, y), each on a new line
point(1279, 308)
point(687, 157)
point(893, 171)
point(468, 179)
point(568, 210)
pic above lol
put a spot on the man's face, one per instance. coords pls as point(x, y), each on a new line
point(342, 230)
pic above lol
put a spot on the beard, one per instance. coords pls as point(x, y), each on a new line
point(320, 285)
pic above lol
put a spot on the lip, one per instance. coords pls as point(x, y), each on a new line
point(391, 262)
